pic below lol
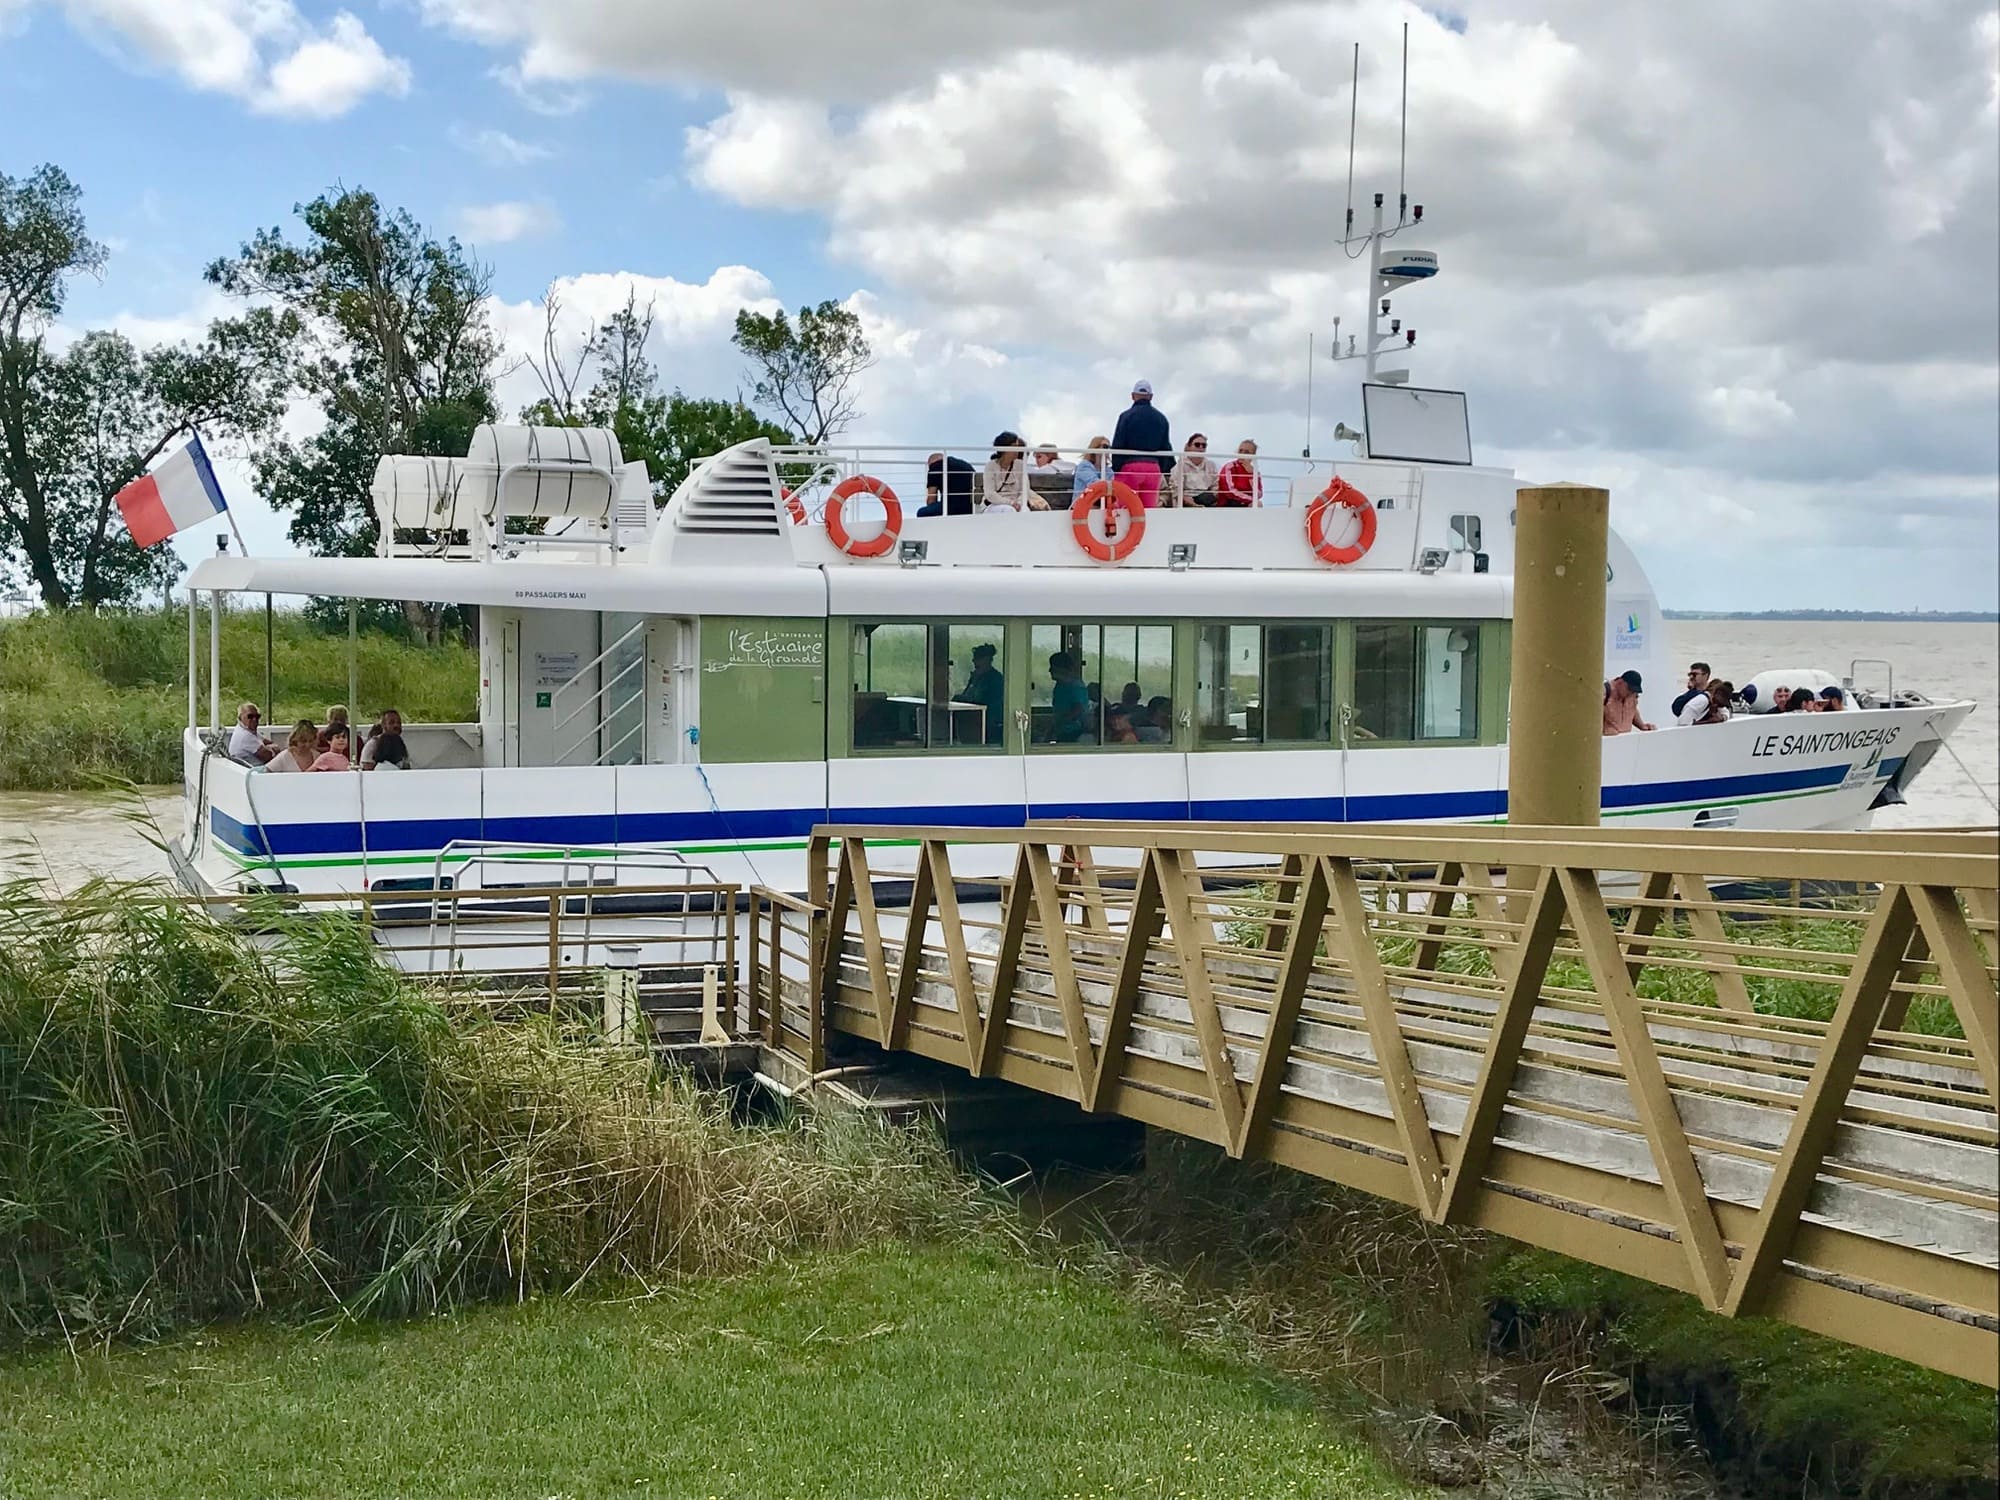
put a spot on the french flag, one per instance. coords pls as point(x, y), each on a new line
point(180, 493)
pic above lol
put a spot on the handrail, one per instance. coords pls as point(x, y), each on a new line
point(1658, 1051)
point(604, 687)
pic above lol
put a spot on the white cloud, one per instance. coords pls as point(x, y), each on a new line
point(499, 223)
point(552, 100)
point(263, 52)
point(328, 75)
point(497, 148)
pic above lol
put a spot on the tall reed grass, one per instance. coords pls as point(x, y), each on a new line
point(86, 696)
point(193, 1125)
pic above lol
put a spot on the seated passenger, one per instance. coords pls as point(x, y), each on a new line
point(334, 756)
point(1093, 466)
point(1832, 700)
point(390, 724)
point(1802, 702)
point(1048, 460)
point(1158, 728)
point(1192, 481)
point(1781, 698)
point(1239, 483)
point(1069, 703)
point(335, 715)
point(245, 745)
point(390, 754)
point(988, 688)
point(1005, 479)
point(1130, 698)
point(1118, 727)
point(947, 487)
point(300, 751)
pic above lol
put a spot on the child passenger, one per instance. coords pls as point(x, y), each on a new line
point(334, 757)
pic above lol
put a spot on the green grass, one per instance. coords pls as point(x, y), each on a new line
point(1776, 1401)
point(195, 1127)
point(890, 1371)
point(83, 696)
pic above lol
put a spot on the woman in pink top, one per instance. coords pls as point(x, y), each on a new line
point(334, 756)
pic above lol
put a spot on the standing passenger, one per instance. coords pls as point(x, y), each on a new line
point(1621, 704)
point(1142, 448)
point(948, 485)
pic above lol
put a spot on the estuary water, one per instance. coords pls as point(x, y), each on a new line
point(66, 837)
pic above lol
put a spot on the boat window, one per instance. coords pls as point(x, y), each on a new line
point(1416, 682)
point(1385, 659)
point(1101, 684)
point(1264, 684)
point(1449, 708)
point(928, 687)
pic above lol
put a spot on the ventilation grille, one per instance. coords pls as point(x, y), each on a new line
point(735, 492)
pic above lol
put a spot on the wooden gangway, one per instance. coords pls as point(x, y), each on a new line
point(1756, 1067)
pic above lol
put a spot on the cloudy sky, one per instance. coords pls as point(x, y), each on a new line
point(1739, 263)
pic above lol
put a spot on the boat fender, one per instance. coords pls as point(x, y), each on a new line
point(1118, 543)
point(836, 523)
point(1340, 494)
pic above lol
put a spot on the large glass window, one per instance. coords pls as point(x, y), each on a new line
point(929, 687)
point(1385, 656)
point(1449, 690)
point(1416, 682)
point(1264, 684)
point(1101, 684)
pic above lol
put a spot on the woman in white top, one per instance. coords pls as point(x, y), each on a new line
point(1005, 481)
point(300, 751)
point(1192, 481)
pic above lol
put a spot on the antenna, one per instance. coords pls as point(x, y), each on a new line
point(1403, 149)
point(1311, 347)
point(1353, 102)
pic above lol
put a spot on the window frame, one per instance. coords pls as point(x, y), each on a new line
point(1490, 717)
point(1332, 630)
point(1002, 630)
point(1179, 674)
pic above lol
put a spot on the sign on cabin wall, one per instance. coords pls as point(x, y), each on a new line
point(762, 689)
point(554, 668)
point(786, 645)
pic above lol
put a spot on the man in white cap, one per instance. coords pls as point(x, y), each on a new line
point(1142, 447)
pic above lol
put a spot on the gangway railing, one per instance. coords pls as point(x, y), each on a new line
point(1756, 1067)
point(595, 700)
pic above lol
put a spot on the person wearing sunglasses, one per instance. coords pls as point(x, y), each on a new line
point(1193, 479)
point(247, 745)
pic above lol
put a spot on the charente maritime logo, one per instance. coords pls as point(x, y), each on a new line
point(1628, 634)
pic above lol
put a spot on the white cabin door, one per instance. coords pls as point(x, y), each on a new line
point(509, 683)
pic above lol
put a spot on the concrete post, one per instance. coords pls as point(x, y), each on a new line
point(1555, 761)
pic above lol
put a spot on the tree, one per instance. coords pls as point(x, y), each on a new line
point(669, 434)
point(400, 357)
point(807, 369)
point(77, 425)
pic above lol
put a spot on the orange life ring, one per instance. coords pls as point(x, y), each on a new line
point(1116, 545)
point(1344, 495)
point(836, 523)
point(794, 506)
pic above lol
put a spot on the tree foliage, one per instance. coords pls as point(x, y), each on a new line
point(78, 424)
point(670, 433)
point(805, 370)
point(399, 354)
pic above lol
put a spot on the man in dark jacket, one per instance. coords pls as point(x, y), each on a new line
point(1142, 448)
point(948, 487)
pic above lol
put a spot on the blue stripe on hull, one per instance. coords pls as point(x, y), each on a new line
point(393, 836)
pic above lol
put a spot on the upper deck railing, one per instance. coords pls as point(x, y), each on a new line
point(1760, 1068)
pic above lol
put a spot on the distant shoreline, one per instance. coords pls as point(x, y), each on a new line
point(1863, 616)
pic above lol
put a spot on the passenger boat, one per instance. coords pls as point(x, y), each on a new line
point(784, 642)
